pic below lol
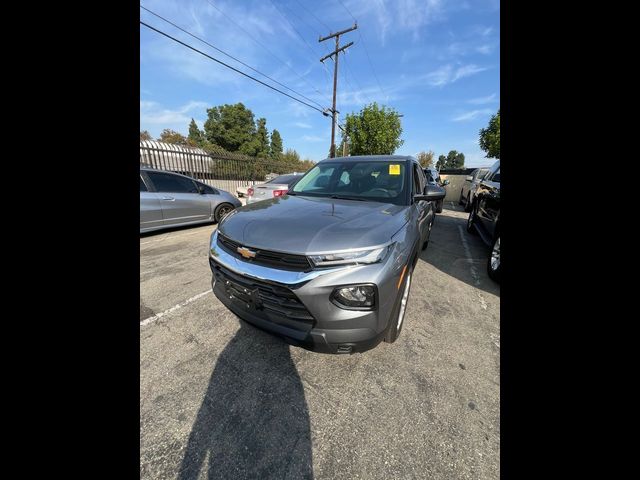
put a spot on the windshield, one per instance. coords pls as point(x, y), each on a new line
point(284, 179)
point(378, 181)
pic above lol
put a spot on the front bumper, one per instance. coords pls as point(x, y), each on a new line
point(296, 306)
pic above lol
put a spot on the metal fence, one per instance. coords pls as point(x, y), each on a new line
point(224, 170)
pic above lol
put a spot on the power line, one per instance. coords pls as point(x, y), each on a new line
point(375, 75)
point(344, 6)
point(230, 56)
point(229, 66)
point(265, 48)
point(313, 15)
point(300, 35)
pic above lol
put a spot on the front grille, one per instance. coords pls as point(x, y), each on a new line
point(283, 261)
point(275, 301)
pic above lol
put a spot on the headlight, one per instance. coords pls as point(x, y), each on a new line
point(355, 296)
point(350, 258)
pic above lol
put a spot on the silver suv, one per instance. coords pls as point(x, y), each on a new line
point(328, 266)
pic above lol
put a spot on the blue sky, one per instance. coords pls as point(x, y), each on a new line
point(437, 62)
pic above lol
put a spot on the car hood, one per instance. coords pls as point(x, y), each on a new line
point(310, 225)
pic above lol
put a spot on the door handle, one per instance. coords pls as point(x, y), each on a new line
point(171, 199)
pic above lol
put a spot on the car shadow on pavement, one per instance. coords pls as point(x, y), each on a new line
point(458, 253)
point(253, 421)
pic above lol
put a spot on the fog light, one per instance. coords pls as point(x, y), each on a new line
point(356, 296)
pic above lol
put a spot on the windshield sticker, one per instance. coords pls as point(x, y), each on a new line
point(394, 169)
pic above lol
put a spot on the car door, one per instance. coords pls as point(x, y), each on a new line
point(486, 188)
point(491, 203)
point(150, 208)
point(180, 199)
point(424, 208)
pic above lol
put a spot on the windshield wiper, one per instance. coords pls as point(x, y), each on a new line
point(341, 197)
point(291, 193)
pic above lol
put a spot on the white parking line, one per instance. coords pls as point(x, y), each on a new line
point(172, 236)
point(149, 320)
point(467, 252)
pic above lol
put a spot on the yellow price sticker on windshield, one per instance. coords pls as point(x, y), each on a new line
point(394, 169)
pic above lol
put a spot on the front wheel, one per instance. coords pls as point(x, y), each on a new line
point(393, 332)
point(439, 205)
point(221, 210)
point(493, 265)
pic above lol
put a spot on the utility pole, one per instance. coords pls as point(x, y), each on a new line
point(335, 79)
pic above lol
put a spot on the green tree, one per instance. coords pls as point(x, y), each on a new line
point(275, 149)
point(425, 159)
point(262, 137)
point(231, 127)
point(453, 160)
point(145, 135)
point(171, 136)
point(195, 137)
point(490, 137)
point(373, 131)
point(291, 160)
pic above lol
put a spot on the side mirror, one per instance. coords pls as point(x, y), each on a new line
point(432, 193)
point(445, 182)
point(469, 178)
point(200, 189)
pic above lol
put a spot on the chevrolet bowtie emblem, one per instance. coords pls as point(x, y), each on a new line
point(245, 252)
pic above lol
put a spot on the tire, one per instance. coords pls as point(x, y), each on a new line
point(493, 264)
point(467, 206)
point(221, 210)
point(426, 242)
point(439, 205)
point(472, 220)
point(395, 325)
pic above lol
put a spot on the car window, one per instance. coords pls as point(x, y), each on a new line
point(282, 179)
point(208, 189)
point(418, 180)
point(168, 183)
point(143, 187)
point(369, 180)
point(496, 176)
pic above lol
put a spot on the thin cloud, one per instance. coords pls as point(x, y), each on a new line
point(152, 113)
point(465, 117)
point(467, 71)
point(483, 100)
point(448, 74)
point(302, 125)
point(312, 138)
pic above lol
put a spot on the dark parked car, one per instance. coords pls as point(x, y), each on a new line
point(485, 217)
point(170, 200)
point(328, 266)
point(433, 177)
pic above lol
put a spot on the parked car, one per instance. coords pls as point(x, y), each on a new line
point(485, 217)
point(273, 188)
point(433, 176)
point(169, 199)
point(328, 266)
point(469, 187)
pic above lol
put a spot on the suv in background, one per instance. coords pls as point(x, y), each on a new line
point(469, 187)
point(485, 217)
point(433, 177)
